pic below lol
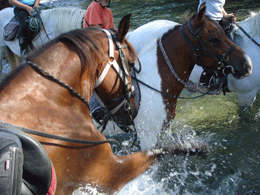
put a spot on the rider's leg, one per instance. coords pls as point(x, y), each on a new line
point(11, 164)
point(22, 17)
point(231, 31)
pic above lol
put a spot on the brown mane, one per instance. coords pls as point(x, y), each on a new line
point(73, 40)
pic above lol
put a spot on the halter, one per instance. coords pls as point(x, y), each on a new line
point(123, 73)
point(220, 59)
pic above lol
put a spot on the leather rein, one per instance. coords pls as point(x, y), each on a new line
point(122, 73)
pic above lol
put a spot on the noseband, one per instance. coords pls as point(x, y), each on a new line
point(220, 59)
point(122, 72)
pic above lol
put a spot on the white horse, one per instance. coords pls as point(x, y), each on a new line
point(56, 21)
point(151, 115)
point(247, 88)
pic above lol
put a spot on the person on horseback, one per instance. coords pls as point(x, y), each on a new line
point(22, 10)
point(215, 10)
point(99, 16)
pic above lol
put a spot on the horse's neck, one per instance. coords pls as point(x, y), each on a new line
point(63, 19)
point(182, 62)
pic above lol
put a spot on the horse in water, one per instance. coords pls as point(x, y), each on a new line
point(168, 52)
point(50, 92)
point(247, 88)
point(55, 21)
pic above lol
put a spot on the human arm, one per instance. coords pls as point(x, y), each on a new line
point(36, 4)
point(227, 16)
point(21, 6)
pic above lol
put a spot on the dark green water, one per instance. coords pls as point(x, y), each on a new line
point(144, 11)
point(233, 166)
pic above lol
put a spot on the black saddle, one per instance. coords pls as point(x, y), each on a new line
point(37, 168)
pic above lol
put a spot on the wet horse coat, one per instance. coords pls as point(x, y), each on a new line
point(30, 100)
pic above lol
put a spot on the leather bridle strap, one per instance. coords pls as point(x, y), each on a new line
point(120, 72)
point(220, 59)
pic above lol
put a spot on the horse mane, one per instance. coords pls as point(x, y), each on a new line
point(81, 41)
point(254, 22)
point(185, 16)
point(170, 31)
point(65, 19)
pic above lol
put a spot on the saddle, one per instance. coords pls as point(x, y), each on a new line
point(38, 172)
point(10, 32)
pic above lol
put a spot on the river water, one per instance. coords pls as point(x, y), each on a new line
point(232, 133)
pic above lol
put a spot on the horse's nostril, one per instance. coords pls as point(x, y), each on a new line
point(248, 66)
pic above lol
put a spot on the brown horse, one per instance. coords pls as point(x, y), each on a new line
point(168, 52)
point(32, 99)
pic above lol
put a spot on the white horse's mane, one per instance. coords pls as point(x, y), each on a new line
point(64, 19)
point(254, 23)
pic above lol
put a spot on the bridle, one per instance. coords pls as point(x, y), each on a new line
point(123, 73)
point(199, 54)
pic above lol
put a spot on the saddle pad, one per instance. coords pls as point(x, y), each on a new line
point(11, 30)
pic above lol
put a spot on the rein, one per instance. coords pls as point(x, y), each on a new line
point(250, 37)
point(166, 94)
point(46, 75)
point(50, 77)
point(56, 80)
point(56, 137)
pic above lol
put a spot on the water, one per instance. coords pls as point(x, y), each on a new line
point(233, 166)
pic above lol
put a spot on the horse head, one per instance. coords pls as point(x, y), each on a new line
point(213, 49)
point(121, 104)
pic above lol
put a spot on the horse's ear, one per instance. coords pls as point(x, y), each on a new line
point(201, 14)
point(123, 28)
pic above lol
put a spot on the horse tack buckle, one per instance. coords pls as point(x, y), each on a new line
point(225, 57)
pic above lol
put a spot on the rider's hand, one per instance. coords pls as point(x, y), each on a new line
point(30, 10)
point(231, 17)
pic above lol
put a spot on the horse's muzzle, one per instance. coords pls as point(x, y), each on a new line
point(246, 69)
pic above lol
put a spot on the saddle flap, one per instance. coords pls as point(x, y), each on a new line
point(37, 168)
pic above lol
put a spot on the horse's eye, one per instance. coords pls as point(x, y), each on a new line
point(131, 64)
point(214, 40)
